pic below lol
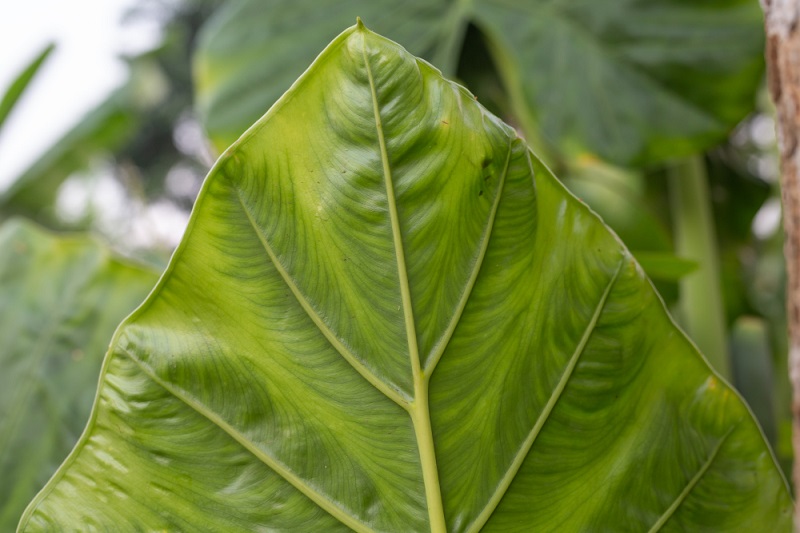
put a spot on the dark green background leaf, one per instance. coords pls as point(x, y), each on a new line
point(631, 80)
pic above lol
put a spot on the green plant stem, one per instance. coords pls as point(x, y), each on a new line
point(453, 31)
point(701, 308)
point(421, 419)
point(522, 113)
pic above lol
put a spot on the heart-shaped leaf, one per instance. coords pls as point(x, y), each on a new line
point(60, 300)
point(634, 81)
point(387, 315)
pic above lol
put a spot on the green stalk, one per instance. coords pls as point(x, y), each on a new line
point(453, 31)
point(700, 306)
point(523, 116)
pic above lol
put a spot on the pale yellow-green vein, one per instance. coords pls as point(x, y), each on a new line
point(690, 485)
point(439, 348)
point(522, 453)
point(277, 466)
point(397, 236)
point(340, 347)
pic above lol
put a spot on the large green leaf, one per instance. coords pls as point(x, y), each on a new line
point(60, 300)
point(387, 315)
point(632, 80)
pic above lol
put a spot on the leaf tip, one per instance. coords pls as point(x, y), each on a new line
point(360, 24)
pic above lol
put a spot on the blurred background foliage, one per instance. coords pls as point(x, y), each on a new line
point(652, 112)
point(140, 155)
point(62, 299)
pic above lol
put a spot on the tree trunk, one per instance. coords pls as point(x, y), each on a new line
point(783, 76)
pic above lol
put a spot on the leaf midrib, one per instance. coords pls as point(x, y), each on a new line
point(418, 409)
point(338, 345)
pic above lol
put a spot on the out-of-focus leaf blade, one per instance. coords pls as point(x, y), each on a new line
point(249, 53)
point(665, 266)
point(60, 300)
point(619, 196)
point(21, 82)
point(102, 130)
point(634, 81)
point(387, 315)
point(753, 374)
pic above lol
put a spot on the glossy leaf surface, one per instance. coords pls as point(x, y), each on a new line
point(387, 315)
point(60, 300)
point(634, 81)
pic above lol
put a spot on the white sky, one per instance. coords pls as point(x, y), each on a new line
point(82, 70)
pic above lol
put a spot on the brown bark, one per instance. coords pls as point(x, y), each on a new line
point(783, 76)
